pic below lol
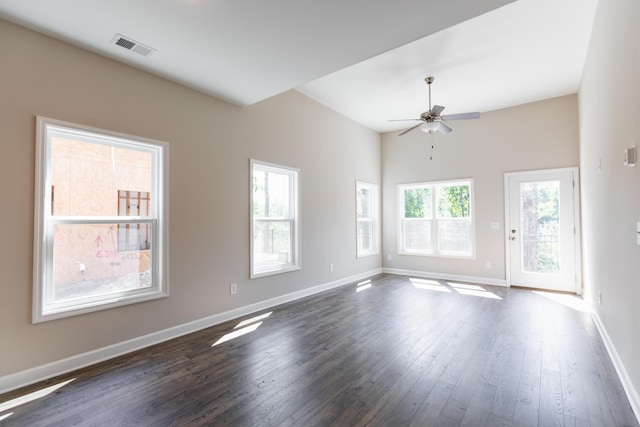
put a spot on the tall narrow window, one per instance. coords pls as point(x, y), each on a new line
point(274, 219)
point(367, 223)
point(436, 219)
point(96, 245)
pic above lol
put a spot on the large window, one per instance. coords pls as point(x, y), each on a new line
point(274, 219)
point(436, 219)
point(96, 245)
point(367, 225)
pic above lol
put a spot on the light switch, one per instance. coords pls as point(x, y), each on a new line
point(495, 225)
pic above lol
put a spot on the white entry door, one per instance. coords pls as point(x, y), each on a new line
point(542, 229)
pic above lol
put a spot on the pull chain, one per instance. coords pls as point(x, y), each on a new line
point(432, 144)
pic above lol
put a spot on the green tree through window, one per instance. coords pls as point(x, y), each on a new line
point(454, 202)
point(417, 203)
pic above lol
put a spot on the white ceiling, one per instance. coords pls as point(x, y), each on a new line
point(366, 59)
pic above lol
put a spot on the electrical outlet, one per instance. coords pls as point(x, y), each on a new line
point(330, 267)
point(487, 265)
point(600, 298)
point(233, 288)
point(389, 257)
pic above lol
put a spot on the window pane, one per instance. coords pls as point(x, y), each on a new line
point(271, 244)
point(365, 235)
point(88, 176)
point(417, 203)
point(82, 270)
point(417, 236)
point(454, 201)
point(454, 237)
point(271, 194)
point(363, 198)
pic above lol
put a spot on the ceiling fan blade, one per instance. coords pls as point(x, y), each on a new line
point(444, 128)
point(436, 110)
point(410, 129)
point(404, 120)
point(462, 116)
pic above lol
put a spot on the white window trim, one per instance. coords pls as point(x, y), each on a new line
point(43, 308)
point(374, 219)
point(401, 220)
point(296, 262)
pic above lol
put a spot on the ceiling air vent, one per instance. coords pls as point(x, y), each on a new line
point(132, 45)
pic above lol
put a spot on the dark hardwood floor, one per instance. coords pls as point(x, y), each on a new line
point(397, 352)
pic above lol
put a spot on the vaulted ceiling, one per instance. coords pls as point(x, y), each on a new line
point(366, 59)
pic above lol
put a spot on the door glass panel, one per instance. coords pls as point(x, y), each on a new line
point(540, 227)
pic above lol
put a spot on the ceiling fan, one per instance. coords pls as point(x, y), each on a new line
point(432, 120)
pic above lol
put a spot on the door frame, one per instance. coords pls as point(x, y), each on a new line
point(576, 220)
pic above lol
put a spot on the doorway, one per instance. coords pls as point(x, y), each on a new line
point(542, 229)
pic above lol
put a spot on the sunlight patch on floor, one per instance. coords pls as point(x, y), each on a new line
point(461, 288)
point(572, 301)
point(245, 327)
point(30, 397)
point(5, 416)
point(237, 333)
point(473, 290)
point(363, 285)
point(429, 285)
point(253, 320)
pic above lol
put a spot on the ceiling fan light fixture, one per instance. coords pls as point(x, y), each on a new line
point(427, 127)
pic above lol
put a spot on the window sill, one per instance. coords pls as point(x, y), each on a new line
point(90, 307)
point(439, 255)
point(266, 273)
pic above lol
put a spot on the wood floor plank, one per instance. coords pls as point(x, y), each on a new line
point(461, 395)
point(477, 412)
point(551, 404)
point(429, 411)
point(398, 353)
point(527, 408)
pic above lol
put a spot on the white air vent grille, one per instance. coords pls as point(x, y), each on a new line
point(127, 44)
point(132, 45)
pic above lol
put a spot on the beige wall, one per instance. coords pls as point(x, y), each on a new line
point(210, 144)
point(541, 135)
point(609, 102)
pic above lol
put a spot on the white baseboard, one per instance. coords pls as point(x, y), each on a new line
point(441, 276)
point(49, 370)
point(632, 393)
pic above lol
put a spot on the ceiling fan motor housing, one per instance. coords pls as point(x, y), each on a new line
point(427, 116)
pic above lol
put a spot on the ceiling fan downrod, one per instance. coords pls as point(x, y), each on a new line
point(429, 80)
